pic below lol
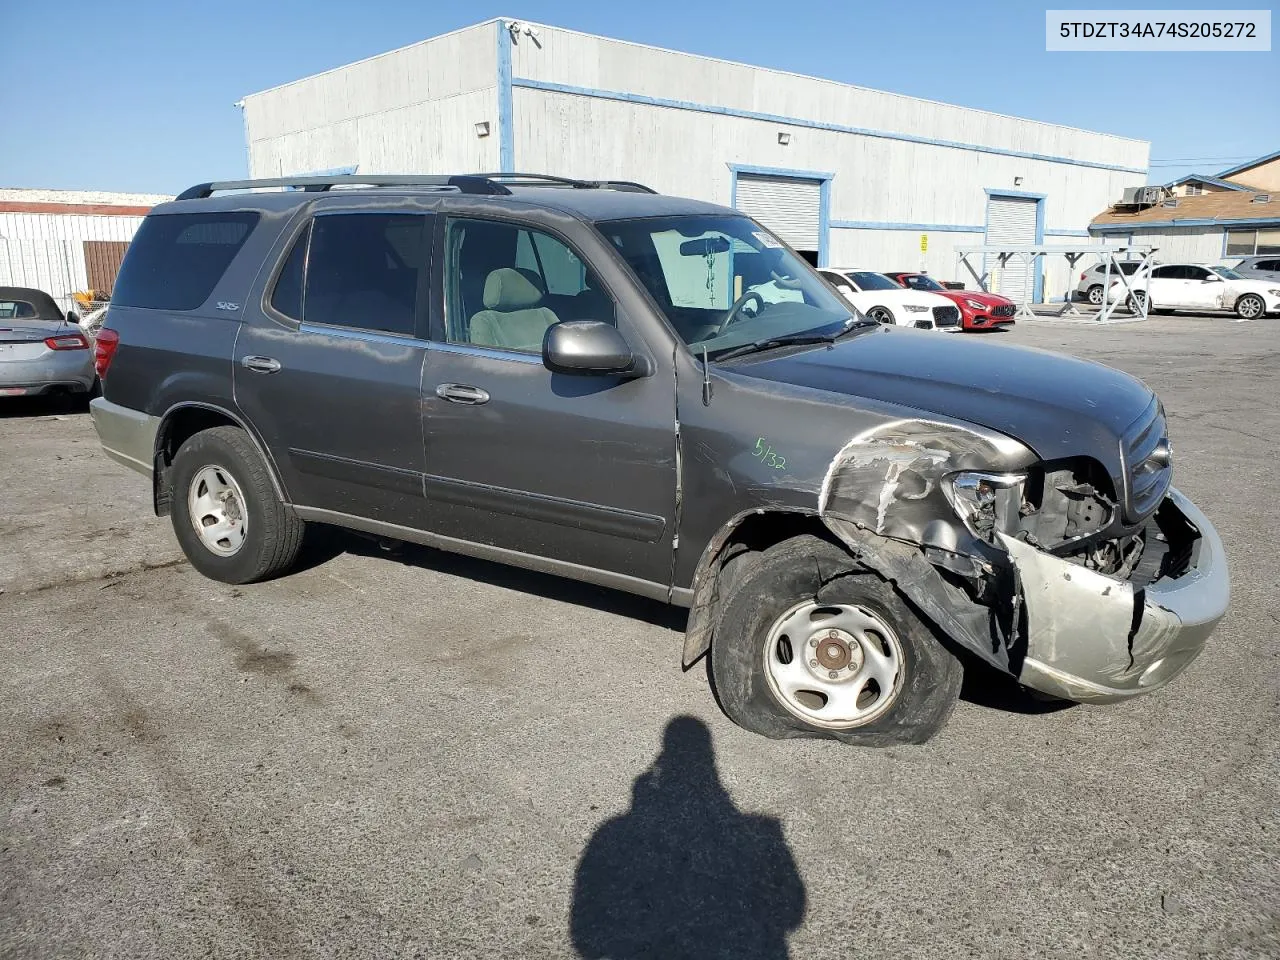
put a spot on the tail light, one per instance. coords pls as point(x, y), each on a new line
point(67, 341)
point(104, 348)
point(1083, 275)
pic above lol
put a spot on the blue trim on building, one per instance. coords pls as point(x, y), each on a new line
point(506, 132)
point(892, 225)
point(824, 196)
point(1037, 289)
point(807, 124)
point(1155, 225)
point(1250, 163)
point(1201, 178)
point(1066, 233)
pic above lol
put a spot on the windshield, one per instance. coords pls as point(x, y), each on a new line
point(1226, 273)
point(723, 281)
point(871, 281)
point(918, 281)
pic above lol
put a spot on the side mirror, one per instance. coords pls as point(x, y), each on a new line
point(587, 347)
point(1212, 278)
point(73, 318)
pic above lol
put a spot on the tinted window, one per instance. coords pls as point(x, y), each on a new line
point(1168, 273)
point(872, 281)
point(506, 284)
point(366, 270)
point(287, 296)
point(1196, 273)
point(919, 282)
point(1267, 265)
point(176, 260)
point(16, 309)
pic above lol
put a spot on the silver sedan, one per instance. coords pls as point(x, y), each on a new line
point(41, 350)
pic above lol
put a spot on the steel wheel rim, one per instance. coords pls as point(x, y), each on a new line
point(1095, 295)
point(217, 509)
point(1249, 307)
point(1139, 298)
point(880, 315)
point(835, 666)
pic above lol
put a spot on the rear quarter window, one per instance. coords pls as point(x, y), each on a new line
point(176, 260)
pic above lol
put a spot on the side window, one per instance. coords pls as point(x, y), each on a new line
point(506, 284)
point(1196, 273)
point(287, 296)
point(367, 270)
point(1267, 265)
point(1166, 273)
point(175, 260)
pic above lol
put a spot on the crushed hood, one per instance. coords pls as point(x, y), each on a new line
point(1057, 405)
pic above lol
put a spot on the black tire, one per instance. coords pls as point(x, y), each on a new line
point(1094, 295)
point(1136, 300)
point(273, 534)
point(881, 315)
point(805, 568)
point(1255, 308)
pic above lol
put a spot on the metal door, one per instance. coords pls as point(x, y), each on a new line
point(790, 207)
point(1012, 221)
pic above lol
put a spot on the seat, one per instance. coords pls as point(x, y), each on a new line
point(513, 318)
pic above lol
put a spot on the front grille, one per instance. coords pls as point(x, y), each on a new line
point(1004, 310)
point(946, 316)
point(1145, 454)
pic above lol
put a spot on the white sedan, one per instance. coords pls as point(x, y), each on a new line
point(1190, 286)
point(884, 301)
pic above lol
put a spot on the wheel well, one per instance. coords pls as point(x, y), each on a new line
point(176, 429)
point(750, 533)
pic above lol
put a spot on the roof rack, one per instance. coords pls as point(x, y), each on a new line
point(490, 184)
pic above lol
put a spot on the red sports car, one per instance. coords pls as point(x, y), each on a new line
point(978, 310)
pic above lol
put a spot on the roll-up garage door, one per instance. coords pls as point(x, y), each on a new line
point(790, 208)
point(1011, 221)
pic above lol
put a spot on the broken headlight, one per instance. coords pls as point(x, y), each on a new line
point(986, 502)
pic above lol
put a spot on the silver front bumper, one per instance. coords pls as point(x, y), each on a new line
point(128, 436)
point(1094, 639)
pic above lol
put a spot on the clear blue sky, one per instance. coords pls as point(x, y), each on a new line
point(139, 95)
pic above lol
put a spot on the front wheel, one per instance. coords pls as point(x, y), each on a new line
point(881, 315)
point(1137, 301)
point(846, 659)
point(226, 515)
point(1250, 307)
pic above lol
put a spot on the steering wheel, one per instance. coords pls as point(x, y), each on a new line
point(737, 308)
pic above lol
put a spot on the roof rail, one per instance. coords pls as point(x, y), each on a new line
point(547, 180)
point(463, 184)
point(472, 183)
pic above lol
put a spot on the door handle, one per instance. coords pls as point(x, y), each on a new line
point(260, 364)
point(462, 393)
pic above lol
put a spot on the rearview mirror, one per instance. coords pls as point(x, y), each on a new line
point(704, 247)
point(586, 347)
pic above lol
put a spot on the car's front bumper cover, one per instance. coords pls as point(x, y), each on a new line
point(1096, 639)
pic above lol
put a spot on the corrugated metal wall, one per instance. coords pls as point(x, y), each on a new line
point(46, 251)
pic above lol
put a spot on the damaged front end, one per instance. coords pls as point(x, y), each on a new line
point(1083, 584)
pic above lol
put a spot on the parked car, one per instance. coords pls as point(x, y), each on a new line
point(42, 350)
point(979, 310)
point(1190, 286)
point(1093, 281)
point(885, 302)
point(590, 382)
point(1260, 268)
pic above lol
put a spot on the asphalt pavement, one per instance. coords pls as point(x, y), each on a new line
point(401, 753)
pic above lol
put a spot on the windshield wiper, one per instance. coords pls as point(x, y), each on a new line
point(794, 339)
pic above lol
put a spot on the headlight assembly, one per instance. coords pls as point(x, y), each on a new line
point(986, 502)
point(914, 308)
point(975, 305)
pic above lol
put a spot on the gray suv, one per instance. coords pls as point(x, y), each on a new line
point(657, 395)
point(1260, 268)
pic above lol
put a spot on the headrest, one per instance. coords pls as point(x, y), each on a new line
point(510, 288)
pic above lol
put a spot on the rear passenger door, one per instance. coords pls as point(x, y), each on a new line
point(577, 469)
point(330, 370)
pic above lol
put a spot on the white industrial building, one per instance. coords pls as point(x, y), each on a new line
point(852, 176)
point(67, 241)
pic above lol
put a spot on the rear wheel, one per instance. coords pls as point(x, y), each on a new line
point(1095, 294)
point(846, 659)
point(226, 515)
point(1250, 307)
